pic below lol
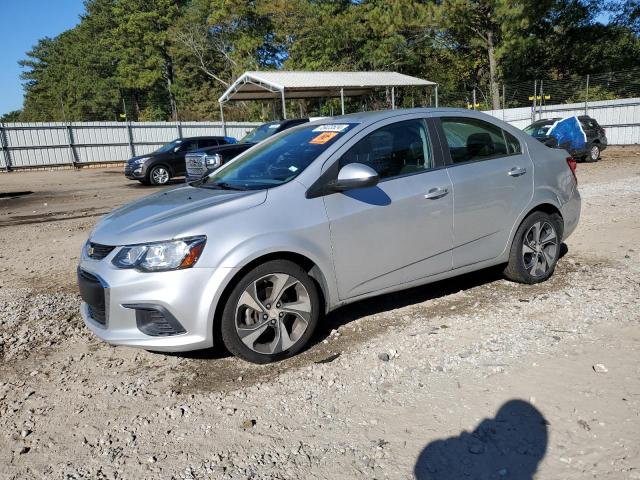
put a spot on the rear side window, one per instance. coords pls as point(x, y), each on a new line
point(401, 148)
point(471, 140)
point(513, 144)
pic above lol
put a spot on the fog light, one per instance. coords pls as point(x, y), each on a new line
point(156, 321)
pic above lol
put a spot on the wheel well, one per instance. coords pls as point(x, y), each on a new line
point(549, 209)
point(307, 264)
point(160, 164)
point(596, 142)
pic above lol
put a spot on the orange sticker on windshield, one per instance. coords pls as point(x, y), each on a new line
point(323, 138)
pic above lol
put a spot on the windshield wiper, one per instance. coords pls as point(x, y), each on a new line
point(224, 186)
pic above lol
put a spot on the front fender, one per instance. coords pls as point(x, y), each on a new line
point(313, 246)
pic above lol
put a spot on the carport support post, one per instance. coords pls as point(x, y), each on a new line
point(224, 125)
point(436, 95)
point(284, 106)
point(535, 93)
point(393, 98)
point(342, 99)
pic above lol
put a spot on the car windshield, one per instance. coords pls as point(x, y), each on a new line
point(168, 147)
point(276, 161)
point(258, 134)
point(538, 129)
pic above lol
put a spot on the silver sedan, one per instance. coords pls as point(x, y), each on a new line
point(322, 215)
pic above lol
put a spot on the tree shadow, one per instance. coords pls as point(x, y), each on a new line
point(509, 446)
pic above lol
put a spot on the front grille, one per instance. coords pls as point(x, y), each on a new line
point(128, 169)
point(98, 251)
point(195, 165)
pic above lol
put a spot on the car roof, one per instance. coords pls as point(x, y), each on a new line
point(202, 137)
point(374, 116)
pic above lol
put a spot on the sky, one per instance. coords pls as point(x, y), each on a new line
point(23, 23)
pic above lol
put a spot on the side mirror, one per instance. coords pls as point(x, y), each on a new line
point(354, 175)
point(177, 149)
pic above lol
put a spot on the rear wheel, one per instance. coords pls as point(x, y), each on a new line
point(271, 313)
point(159, 175)
point(594, 153)
point(535, 249)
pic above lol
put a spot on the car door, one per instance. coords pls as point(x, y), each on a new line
point(401, 229)
point(492, 184)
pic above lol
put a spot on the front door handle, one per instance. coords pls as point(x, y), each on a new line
point(517, 171)
point(436, 193)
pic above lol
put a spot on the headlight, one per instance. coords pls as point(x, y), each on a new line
point(140, 161)
point(161, 256)
point(214, 160)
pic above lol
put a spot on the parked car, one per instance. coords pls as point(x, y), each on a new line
point(596, 137)
point(320, 216)
point(205, 160)
point(160, 166)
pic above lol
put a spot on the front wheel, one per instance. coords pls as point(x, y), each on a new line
point(535, 249)
point(159, 175)
point(271, 313)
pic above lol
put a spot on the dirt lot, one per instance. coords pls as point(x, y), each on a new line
point(470, 378)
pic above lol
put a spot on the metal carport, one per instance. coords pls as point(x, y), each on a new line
point(298, 84)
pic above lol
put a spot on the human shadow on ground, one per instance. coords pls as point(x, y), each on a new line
point(509, 446)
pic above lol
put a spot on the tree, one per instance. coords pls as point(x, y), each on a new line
point(13, 116)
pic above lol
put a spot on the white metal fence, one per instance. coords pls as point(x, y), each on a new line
point(620, 118)
point(53, 144)
point(79, 143)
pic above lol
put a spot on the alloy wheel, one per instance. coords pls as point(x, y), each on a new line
point(273, 313)
point(539, 248)
point(595, 153)
point(160, 175)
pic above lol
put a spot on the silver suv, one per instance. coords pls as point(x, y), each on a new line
point(322, 215)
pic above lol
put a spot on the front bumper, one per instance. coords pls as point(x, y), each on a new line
point(134, 172)
point(189, 295)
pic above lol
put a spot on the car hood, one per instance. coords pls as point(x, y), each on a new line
point(176, 213)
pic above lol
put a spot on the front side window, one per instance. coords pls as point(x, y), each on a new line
point(470, 140)
point(278, 160)
point(398, 149)
point(169, 147)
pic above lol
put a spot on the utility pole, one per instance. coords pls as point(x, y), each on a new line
point(586, 99)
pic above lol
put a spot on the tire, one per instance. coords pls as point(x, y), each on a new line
point(251, 303)
point(159, 175)
point(533, 256)
point(594, 153)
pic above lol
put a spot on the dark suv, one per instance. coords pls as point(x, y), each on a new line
point(206, 160)
point(596, 137)
point(158, 167)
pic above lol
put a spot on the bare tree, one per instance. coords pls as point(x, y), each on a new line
point(205, 47)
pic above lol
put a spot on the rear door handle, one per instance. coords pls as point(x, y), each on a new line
point(436, 193)
point(517, 171)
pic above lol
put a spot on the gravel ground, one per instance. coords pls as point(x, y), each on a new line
point(474, 377)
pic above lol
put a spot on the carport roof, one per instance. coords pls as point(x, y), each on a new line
point(299, 84)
